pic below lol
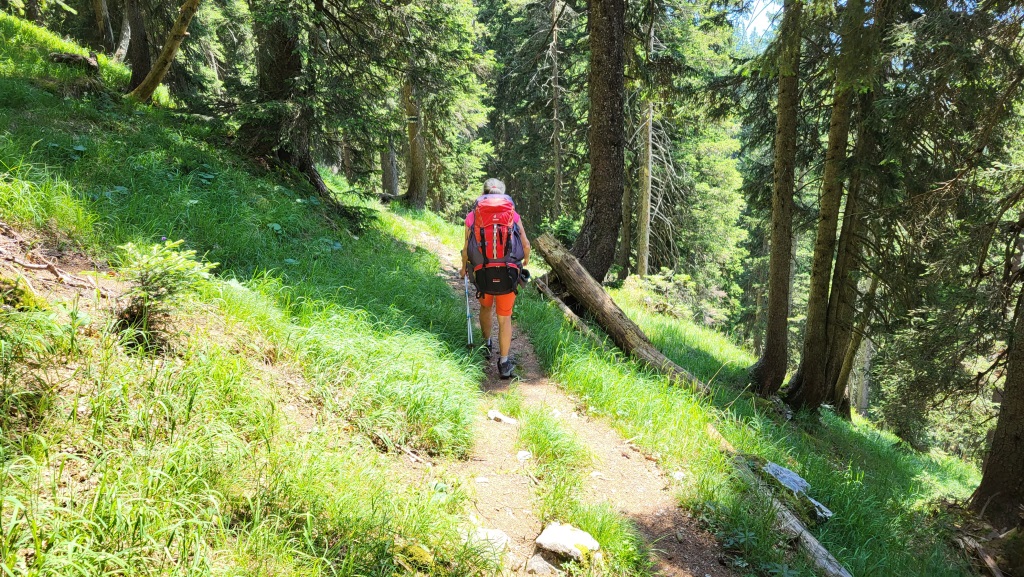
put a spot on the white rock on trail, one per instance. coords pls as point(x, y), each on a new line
point(524, 456)
point(494, 540)
point(495, 415)
point(537, 565)
point(567, 541)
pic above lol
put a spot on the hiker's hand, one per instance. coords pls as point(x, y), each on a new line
point(462, 272)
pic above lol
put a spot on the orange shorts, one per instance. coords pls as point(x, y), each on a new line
point(505, 303)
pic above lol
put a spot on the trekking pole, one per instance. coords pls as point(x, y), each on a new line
point(469, 316)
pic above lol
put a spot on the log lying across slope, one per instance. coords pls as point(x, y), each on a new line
point(628, 336)
point(624, 332)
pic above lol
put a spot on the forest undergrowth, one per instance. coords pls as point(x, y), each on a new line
point(256, 444)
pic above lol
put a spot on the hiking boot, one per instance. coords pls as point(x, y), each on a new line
point(505, 369)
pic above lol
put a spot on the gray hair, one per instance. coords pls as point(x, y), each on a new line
point(494, 186)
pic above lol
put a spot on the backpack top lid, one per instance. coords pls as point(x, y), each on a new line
point(494, 209)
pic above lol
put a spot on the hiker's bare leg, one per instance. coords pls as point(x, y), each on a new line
point(485, 321)
point(504, 335)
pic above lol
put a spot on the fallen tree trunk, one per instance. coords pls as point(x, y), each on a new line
point(624, 332)
point(628, 336)
point(785, 520)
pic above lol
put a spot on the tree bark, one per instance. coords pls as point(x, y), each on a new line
point(850, 357)
point(416, 195)
point(643, 233)
point(1000, 496)
point(285, 132)
point(595, 245)
point(623, 331)
point(556, 121)
point(138, 49)
point(626, 234)
point(389, 170)
point(770, 370)
point(144, 92)
point(32, 12)
point(103, 27)
point(809, 389)
point(643, 247)
point(126, 37)
point(843, 296)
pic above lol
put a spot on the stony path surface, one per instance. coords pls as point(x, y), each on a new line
point(504, 492)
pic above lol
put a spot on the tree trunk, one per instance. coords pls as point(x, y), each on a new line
point(770, 370)
point(32, 12)
point(138, 49)
point(643, 244)
point(103, 27)
point(595, 245)
point(556, 121)
point(850, 357)
point(126, 37)
point(416, 195)
point(1000, 495)
point(809, 388)
point(626, 234)
point(285, 132)
point(842, 299)
point(643, 220)
point(389, 170)
point(144, 92)
point(623, 331)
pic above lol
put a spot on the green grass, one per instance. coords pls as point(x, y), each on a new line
point(562, 462)
point(194, 462)
point(885, 498)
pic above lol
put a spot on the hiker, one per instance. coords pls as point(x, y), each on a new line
point(496, 251)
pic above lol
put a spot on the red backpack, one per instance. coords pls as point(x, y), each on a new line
point(495, 249)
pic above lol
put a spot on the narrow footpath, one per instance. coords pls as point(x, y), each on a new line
point(504, 493)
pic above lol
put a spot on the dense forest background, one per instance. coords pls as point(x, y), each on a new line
point(843, 195)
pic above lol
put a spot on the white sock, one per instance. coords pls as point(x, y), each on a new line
point(503, 359)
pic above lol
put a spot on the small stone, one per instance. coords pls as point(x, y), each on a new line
point(556, 413)
point(680, 537)
point(493, 540)
point(537, 565)
point(567, 541)
point(597, 474)
point(482, 480)
point(524, 456)
point(496, 415)
point(678, 475)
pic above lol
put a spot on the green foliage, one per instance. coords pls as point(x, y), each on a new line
point(563, 228)
point(160, 278)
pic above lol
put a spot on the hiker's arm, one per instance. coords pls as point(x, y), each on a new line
point(526, 243)
point(465, 253)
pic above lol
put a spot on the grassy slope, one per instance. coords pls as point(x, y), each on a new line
point(192, 460)
point(192, 463)
point(883, 495)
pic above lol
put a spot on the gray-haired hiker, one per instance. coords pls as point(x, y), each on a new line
point(496, 251)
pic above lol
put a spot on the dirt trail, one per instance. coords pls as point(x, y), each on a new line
point(622, 476)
